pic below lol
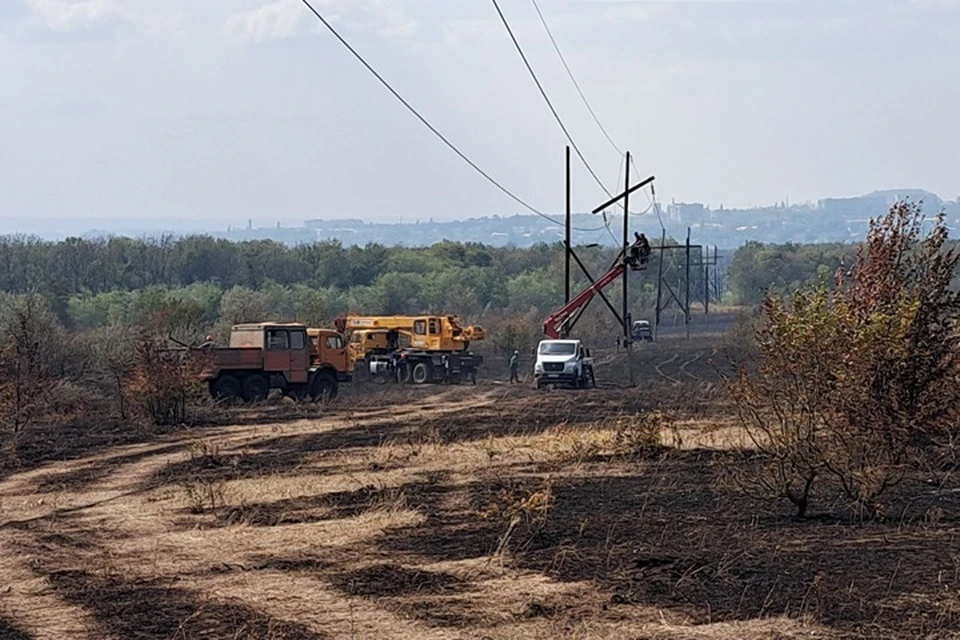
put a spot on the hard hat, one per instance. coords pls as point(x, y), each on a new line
point(516, 351)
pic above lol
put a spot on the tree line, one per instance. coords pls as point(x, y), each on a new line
point(202, 281)
point(93, 283)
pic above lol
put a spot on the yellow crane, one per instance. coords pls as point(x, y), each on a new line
point(417, 349)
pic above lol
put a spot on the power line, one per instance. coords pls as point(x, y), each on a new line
point(506, 24)
point(652, 197)
point(586, 103)
point(576, 84)
point(427, 124)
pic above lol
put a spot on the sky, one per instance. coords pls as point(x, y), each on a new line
point(228, 110)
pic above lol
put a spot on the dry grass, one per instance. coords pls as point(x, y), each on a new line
point(488, 512)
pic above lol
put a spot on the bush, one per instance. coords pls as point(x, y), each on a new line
point(162, 381)
point(856, 383)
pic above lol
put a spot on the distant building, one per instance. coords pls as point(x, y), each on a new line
point(854, 207)
point(687, 211)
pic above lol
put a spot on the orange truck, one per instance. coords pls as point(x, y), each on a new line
point(301, 362)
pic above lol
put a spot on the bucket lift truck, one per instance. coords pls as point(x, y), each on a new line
point(561, 361)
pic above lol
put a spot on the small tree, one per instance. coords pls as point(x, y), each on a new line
point(856, 384)
point(162, 379)
point(112, 350)
point(29, 351)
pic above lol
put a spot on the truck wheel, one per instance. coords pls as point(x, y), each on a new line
point(255, 388)
point(422, 372)
point(325, 388)
point(297, 392)
point(225, 388)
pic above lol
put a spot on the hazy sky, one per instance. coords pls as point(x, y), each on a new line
point(231, 109)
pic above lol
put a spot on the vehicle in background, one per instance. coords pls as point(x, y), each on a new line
point(267, 355)
point(411, 349)
point(563, 362)
point(641, 331)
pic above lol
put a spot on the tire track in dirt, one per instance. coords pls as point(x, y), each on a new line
point(659, 368)
point(139, 522)
point(30, 601)
point(683, 367)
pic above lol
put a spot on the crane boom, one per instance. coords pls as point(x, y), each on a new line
point(554, 323)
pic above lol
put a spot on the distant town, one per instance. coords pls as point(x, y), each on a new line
point(827, 220)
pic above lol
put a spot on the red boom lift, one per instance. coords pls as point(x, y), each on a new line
point(554, 324)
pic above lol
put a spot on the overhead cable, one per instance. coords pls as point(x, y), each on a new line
point(533, 74)
point(576, 84)
point(427, 124)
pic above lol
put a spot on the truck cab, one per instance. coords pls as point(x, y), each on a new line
point(563, 362)
point(329, 350)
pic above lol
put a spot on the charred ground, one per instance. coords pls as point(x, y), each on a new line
point(464, 512)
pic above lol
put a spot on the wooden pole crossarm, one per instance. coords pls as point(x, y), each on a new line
point(623, 195)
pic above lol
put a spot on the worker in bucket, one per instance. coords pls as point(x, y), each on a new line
point(515, 367)
point(640, 249)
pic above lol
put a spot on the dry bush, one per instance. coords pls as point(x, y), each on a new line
point(856, 383)
point(163, 381)
point(624, 435)
point(640, 433)
point(519, 508)
point(567, 444)
point(112, 356)
point(205, 495)
point(69, 401)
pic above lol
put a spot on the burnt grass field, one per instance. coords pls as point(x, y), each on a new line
point(493, 511)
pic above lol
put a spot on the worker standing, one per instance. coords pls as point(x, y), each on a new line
point(641, 248)
point(515, 367)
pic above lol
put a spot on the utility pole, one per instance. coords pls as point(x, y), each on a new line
point(625, 196)
point(656, 324)
point(706, 281)
point(626, 249)
point(716, 275)
point(686, 311)
point(568, 247)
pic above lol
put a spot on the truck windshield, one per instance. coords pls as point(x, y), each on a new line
point(557, 349)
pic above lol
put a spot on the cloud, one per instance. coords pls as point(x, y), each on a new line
point(284, 19)
point(69, 16)
point(275, 21)
point(464, 31)
point(393, 20)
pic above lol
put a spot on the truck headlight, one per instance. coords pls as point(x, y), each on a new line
point(538, 368)
point(570, 366)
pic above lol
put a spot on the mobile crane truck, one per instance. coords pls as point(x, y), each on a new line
point(411, 349)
